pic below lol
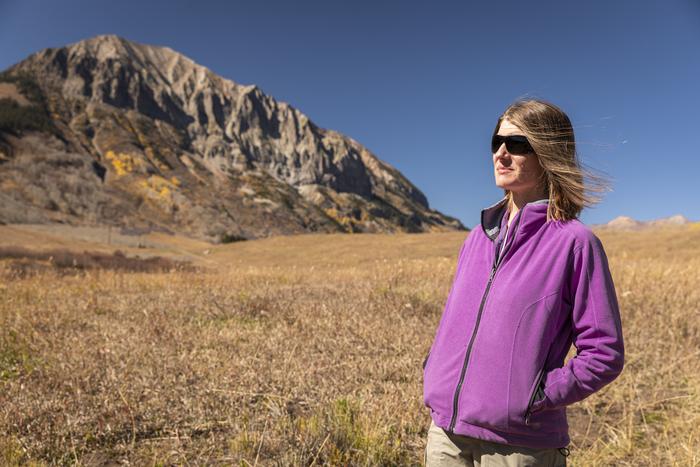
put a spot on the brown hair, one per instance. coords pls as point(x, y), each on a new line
point(551, 135)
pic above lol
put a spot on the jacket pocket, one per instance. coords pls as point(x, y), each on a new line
point(537, 394)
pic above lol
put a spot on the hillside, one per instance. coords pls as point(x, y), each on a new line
point(109, 131)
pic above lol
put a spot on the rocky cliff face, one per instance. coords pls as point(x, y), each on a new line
point(110, 131)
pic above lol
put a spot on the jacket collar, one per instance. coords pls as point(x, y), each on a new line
point(530, 218)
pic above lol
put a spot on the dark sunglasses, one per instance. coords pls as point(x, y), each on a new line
point(515, 144)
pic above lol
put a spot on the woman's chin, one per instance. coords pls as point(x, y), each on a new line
point(504, 185)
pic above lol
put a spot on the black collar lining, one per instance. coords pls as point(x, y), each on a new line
point(492, 217)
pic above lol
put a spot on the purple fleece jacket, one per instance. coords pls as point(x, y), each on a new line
point(495, 370)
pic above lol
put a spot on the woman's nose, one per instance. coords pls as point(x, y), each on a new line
point(501, 153)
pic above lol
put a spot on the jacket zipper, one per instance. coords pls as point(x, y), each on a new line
point(497, 261)
point(540, 377)
point(534, 394)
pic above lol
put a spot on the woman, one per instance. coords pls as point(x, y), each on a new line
point(531, 280)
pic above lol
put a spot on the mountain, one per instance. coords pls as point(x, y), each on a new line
point(109, 131)
point(627, 223)
point(672, 220)
point(623, 222)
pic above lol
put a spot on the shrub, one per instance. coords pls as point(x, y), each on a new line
point(230, 238)
point(29, 261)
point(16, 118)
point(26, 85)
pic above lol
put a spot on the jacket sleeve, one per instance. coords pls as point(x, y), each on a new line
point(596, 331)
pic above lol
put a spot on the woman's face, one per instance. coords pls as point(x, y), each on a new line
point(519, 173)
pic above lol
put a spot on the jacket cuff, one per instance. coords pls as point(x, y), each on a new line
point(541, 404)
point(545, 403)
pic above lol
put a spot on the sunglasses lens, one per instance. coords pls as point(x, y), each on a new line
point(514, 144)
point(518, 146)
point(496, 142)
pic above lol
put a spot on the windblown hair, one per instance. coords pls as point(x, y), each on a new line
point(569, 186)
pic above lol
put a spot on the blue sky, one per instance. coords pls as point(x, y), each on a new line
point(421, 84)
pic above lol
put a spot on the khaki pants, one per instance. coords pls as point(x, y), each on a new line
point(452, 450)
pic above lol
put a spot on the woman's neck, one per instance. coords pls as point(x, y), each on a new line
point(518, 200)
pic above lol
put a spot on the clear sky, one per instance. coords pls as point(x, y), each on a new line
point(421, 84)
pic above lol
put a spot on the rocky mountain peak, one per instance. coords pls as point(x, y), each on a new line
point(143, 112)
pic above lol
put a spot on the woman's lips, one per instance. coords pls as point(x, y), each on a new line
point(502, 170)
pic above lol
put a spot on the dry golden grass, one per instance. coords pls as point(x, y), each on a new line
point(307, 350)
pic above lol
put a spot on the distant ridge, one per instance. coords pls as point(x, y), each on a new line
point(627, 223)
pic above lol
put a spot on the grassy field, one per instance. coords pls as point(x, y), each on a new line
point(304, 350)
